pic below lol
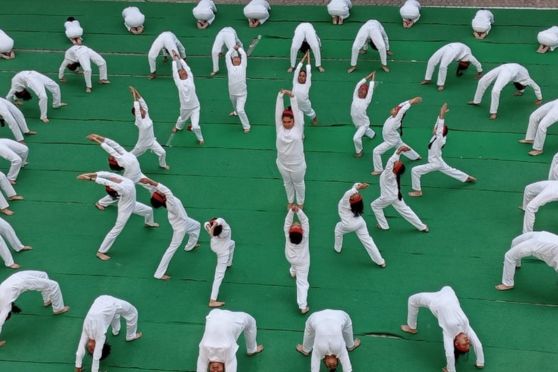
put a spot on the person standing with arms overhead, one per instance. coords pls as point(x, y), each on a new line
point(237, 60)
point(362, 96)
point(302, 82)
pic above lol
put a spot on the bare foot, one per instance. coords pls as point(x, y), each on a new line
point(493, 116)
point(473, 103)
point(389, 53)
point(300, 349)
point(26, 248)
point(259, 349)
point(152, 225)
point(175, 129)
point(356, 344)
point(215, 303)
point(191, 249)
point(87, 90)
point(152, 76)
point(383, 266)
point(385, 68)
point(13, 182)
point(99, 207)
point(2, 343)
point(424, 82)
point(290, 69)
point(471, 179)
point(30, 133)
point(189, 128)
point(415, 193)
point(503, 287)
point(166, 167)
point(61, 104)
point(425, 230)
point(45, 120)
point(213, 73)
point(201, 142)
point(104, 81)
point(65, 309)
point(376, 173)
point(136, 336)
point(164, 277)
point(47, 304)
point(103, 257)
point(233, 113)
point(359, 154)
point(6, 211)
point(315, 120)
point(406, 328)
point(247, 130)
point(530, 142)
point(16, 197)
point(321, 69)
point(535, 152)
point(305, 310)
point(440, 88)
point(351, 69)
point(14, 266)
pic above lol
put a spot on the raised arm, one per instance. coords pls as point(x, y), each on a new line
point(303, 221)
point(395, 157)
point(405, 106)
point(243, 57)
point(296, 72)
point(112, 147)
point(279, 107)
point(288, 222)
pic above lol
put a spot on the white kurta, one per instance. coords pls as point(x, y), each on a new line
point(105, 311)
point(328, 332)
point(238, 91)
point(218, 344)
point(339, 8)
point(302, 91)
point(205, 11)
point(349, 223)
point(257, 9)
point(306, 32)
point(501, 76)
point(373, 31)
point(189, 103)
point(223, 247)
point(181, 225)
point(553, 171)
point(298, 256)
point(14, 118)
point(165, 42)
point(84, 56)
point(453, 321)
point(549, 37)
point(539, 122)
point(73, 29)
point(290, 151)
point(133, 17)
point(359, 106)
point(125, 159)
point(410, 10)
point(146, 136)
point(225, 40)
point(6, 42)
point(39, 84)
point(483, 21)
point(28, 280)
point(535, 196)
point(16, 153)
point(446, 55)
point(540, 244)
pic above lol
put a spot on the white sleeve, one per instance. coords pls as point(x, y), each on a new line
point(80, 353)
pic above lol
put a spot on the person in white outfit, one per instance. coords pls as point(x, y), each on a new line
point(444, 56)
point(410, 13)
point(39, 84)
point(180, 222)
point(501, 76)
point(339, 10)
point(6, 46)
point(482, 23)
point(297, 252)
point(350, 209)
point(146, 137)
point(8, 234)
point(539, 244)
point(548, 40)
point(104, 312)
point(536, 195)
point(435, 161)
point(125, 191)
point(539, 122)
point(390, 194)
point(373, 33)
point(237, 60)
point(29, 280)
point(392, 132)
point(328, 335)
point(302, 82)
point(73, 30)
point(189, 103)
point(289, 126)
point(458, 334)
point(204, 13)
point(133, 19)
point(16, 153)
point(218, 345)
point(257, 12)
point(223, 246)
point(305, 38)
point(82, 56)
point(553, 171)
point(362, 96)
point(11, 115)
point(225, 40)
point(167, 42)
point(8, 189)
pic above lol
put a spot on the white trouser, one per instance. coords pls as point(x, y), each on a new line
point(219, 47)
point(5, 254)
point(192, 228)
point(301, 276)
point(294, 182)
point(383, 147)
point(306, 107)
point(259, 13)
point(50, 290)
point(223, 261)
point(8, 189)
point(17, 124)
point(40, 91)
point(203, 14)
point(362, 130)
point(337, 318)
point(16, 154)
point(538, 126)
point(444, 60)
point(423, 299)
point(85, 64)
point(314, 43)
point(8, 233)
point(537, 195)
point(501, 80)
point(440, 165)
point(400, 206)
point(156, 148)
point(194, 115)
point(512, 259)
point(361, 231)
point(127, 311)
point(335, 10)
point(139, 209)
point(238, 103)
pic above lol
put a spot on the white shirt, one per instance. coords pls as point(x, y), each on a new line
point(257, 6)
point(125, 188)
point(6, 42)
point(237, 74)
point(221, 244)
point(483, 21)
point(549, 37)
point(290, 148)
point(229, 37)
point(437, 142)
point(125, 159)
point(297, 254)
point(517, 74)
point(24, 79)
point(410, 10)
point(133, 17)
point(186, 88)
point(166, 41)
point(175, 210)
point(304, 29)
point(360, 105)
point(146, 137)
point(76, 53)
point(344, 208)
point(545, 247)
point(459, 52)
point(302, 91)
point(205, 9)
point(73, 29)
point(388, 180)
point(339, 5)
point(390, 130)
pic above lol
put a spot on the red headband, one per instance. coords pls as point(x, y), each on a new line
point(355, 198)
point(161, 198)
point(296, 229)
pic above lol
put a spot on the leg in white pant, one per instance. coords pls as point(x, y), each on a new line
point(302, 285)
point(377, 155)
point(8, 233)
point(407, 213)
point(50, 290)
point(114, 232)
point(177, 237)
point(420, 170)
point(512, 259)
point(415, 302)
point(546, 195)
point(306, 108)
point(7, 189)
point(145, 211)
point(483, 84)
point(54, 89)
point(15, 162)
point(106, 201)
point(378, 206)
point(87, 71)
point(101, 64)
point(411, 154)
point(357, 46)
point(156, 148)
point(5, 254)
point(340, 230)
point(20, 120)
point(534, 120)
point(294, 183)
point(238, 103)
point(348, 332)
point(220, 269)
point(130, 314)
point(295, 46)
point(368, 243)
point(218, 45)
point(314, 43)
point(250, 333)
point(378, 41)
point(431, 66)
point(540, 137)
point(357, 138)
point(193, 230)
point(500, 83)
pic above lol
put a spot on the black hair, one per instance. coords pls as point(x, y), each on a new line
point(111, 192)
point(217, 230)
point(113, 164)
point(444, 133)
point(133, 111)
point(519, 86)
point(372, 45)
point(157, 202)
point(295, 237)
point(357, 208)
point(398, 175)
point(106, 351)
point(73, 66)
point(332, 369)
point(458, 353)
point(304, 47)
point(2, 122)
point(15, 309)
point(24, 95)
point(70, 19)
point(462, 66)
point(401, 126)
